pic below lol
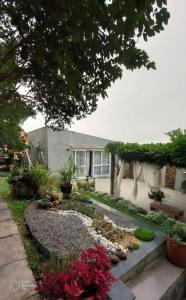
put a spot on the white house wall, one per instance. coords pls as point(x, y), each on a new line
point(61, 144)
point(38, 139)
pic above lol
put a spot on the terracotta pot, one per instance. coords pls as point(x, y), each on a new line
point(176, 252)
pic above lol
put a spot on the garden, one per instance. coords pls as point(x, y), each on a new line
point(72, 232)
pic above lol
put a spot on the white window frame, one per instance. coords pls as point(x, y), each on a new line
point(101, 164)
point(80, 150)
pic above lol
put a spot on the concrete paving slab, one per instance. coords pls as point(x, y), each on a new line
point(8, 228)
point(3, 205)
point(16, 281)
point(11, 250)
point(5, 215)
point(155, 281)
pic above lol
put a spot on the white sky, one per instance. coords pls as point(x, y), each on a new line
point(144, 104)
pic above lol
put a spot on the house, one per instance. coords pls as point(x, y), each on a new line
point(52, 148)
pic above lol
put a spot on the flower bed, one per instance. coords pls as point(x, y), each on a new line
point(76, 226)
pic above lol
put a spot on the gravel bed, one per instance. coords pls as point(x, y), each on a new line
point(119, 220)
point(56, 233)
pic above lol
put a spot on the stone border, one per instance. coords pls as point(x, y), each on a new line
point(136, 261)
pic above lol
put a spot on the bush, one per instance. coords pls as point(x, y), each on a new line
point(144, 234)
point(85, 185)
point(178, 232)
point(87, 278)
point(39, 177)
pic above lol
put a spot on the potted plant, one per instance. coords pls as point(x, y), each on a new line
point(176, 244)
point(66, 175)
point(157, 196)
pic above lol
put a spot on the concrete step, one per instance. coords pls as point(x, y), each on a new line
point(160, 281)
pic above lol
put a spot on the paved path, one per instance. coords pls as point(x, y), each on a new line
point(174, 198)
point(16, 278)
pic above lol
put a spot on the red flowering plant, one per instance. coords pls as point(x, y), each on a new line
point(87, 278)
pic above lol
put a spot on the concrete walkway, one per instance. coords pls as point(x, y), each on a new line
point(174, 198)
point(16, 278)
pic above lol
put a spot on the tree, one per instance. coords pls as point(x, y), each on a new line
point(12, 115)
point(67, 53)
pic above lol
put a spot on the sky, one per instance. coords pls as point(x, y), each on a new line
point(144, 105)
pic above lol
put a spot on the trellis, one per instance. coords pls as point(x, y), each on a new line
point(145, 155)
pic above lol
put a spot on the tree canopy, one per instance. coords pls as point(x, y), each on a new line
point(172, 153)
point(67, 53)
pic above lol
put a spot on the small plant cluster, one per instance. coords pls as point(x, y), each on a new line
point(27, 184)
point(157, 196)
point(49, 200)
point(144, 234)
point(121, 202)
point(85, 185)
point(80, 207)
point(68, 171)
point(107, 230)
point(86, 278)
point(178, 232)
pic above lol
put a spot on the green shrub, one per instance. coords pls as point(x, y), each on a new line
point(178, 232)
point(39, 177)
point(85, 185)
point(134, 246)
point(144, 234)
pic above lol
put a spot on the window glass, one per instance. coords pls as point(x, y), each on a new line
point(105, 159)
point(97, 157)
point(80, 158)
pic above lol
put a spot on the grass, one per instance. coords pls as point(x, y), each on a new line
point(115, 204)
point(37, 261)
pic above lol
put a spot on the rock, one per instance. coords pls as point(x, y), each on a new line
point(121, 254)
point(114, 259)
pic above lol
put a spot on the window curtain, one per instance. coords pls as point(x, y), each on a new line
point(137, 171)
point(123, 167)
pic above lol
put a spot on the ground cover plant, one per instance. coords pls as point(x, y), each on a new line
point(144, 234)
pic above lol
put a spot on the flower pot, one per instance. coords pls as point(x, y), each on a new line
point(176, 252)
point(66, 189)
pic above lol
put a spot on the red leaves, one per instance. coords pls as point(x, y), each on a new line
point(88, 278)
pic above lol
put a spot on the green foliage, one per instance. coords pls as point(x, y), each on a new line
point(178, 232)
point(144, 234)
point(38, 176)
point(158, 196)
point(68, 171)
point(80, 207)
point(83, 45)
point(134, 246)
point(183, 186)
point(85, 185)
point(172, 153)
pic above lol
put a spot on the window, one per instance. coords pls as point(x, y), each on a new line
point(80, 163)
point(100, 163)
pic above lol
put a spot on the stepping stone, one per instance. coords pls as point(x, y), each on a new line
point(16, 281)
point(8, 228)
point(11, 250)
point(5, 215)
point(3, 205)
